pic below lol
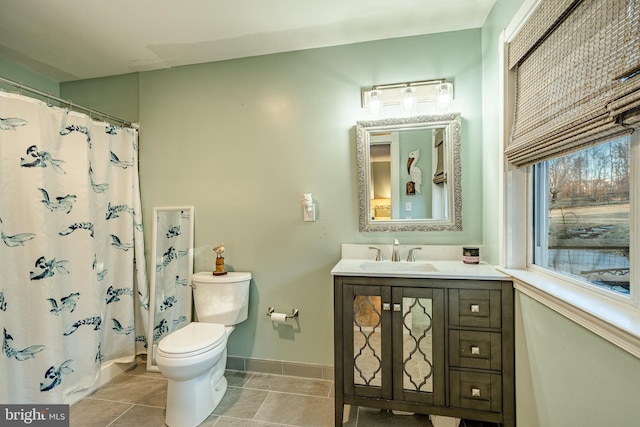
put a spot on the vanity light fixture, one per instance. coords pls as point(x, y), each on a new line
point(407, 95)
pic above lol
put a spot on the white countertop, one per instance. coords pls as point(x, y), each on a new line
point(358, 260)
point(443, 269)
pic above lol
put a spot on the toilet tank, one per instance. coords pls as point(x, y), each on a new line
point(221, 299)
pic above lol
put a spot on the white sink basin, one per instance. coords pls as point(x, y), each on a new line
point(388, 266)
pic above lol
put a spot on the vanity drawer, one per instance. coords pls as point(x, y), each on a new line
point(475, 308)
point(475, 349)
point(471, 390)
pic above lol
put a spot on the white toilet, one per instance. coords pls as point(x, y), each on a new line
point(194, 358)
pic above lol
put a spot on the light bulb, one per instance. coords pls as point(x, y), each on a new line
point(408, 99)
point(375, 102)
point(445, 94)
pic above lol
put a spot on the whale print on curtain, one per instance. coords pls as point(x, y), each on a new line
point(73, 290)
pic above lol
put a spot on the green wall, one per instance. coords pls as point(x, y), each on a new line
point(568, 377)
point(19, 74)
point(117, 96)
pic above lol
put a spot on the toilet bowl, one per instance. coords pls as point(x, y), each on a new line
point(194, 357)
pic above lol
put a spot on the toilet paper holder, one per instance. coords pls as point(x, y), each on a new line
point(294, 312)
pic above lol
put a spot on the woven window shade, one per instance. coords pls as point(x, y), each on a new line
point(545, 18)
point(577, 68)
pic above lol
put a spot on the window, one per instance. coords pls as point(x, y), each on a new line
point(581, 215)
point(571, 215)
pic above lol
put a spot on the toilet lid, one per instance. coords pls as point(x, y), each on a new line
point(194, 338)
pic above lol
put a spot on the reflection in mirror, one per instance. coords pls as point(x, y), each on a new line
point(409, 173)
point(417, 344)
point(367, 345)
point(170, 278)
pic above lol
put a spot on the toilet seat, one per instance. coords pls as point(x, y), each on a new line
point(194, 339)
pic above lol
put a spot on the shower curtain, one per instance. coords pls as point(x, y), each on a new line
point(73, 290)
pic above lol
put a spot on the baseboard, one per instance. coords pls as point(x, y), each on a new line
point(108, 371)
point(280, 367)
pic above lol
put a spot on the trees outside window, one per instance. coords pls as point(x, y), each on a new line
point(582, 215)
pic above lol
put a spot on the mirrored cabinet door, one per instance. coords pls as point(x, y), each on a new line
point(418, 342)
point(394, 343)
point(367, 344)
point(367, 340)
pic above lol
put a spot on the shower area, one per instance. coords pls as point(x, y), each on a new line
point(73, 288)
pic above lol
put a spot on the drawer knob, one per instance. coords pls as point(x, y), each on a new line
point(386, 306)
point(475, 350)
point(475, 392)
point(397, 307)
point(475, 308)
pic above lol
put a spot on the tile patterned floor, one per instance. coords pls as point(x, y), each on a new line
point(137, 398)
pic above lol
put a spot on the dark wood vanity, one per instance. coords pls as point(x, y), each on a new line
point(433, 346)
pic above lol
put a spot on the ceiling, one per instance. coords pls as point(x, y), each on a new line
point(79, 39)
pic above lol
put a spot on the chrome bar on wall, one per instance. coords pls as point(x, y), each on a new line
point(90, 111)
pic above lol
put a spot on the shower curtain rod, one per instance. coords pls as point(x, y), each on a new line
point(91, 112)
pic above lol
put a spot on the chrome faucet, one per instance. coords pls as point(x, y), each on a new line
point(395, 256)
point(410, 257)
point(379, 256)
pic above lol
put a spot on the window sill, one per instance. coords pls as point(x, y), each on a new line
point(615, 321)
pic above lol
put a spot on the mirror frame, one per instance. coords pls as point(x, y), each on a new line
point(187, 265)
point(451, 123)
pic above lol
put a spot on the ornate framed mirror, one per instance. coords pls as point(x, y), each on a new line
point(409, 173)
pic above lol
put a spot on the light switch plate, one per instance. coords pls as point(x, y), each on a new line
point(310, 214)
